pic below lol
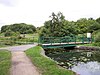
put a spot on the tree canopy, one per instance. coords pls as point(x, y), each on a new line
point(58, 26)
point(21, 28)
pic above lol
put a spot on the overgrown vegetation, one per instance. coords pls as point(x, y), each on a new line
point(47, 66)
point(5, 62)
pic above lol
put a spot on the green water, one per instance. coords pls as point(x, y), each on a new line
point(80, 61)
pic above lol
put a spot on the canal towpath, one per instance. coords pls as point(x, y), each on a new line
point(21, 64)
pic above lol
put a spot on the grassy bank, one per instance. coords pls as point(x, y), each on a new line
point(5, 62)
point(86, 45)
point(91, 44)
point(45, 65)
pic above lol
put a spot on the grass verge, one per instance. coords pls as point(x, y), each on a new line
point(86, 45)
point(5, 62)
point(92, 45)
point(45, 65)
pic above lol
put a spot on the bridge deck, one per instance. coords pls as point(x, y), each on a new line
point(65, 43)
point(61, 45)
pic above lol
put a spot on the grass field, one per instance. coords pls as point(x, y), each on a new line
point(45, 65)
point(35, 36)
point(10, 41)
point(5, 62)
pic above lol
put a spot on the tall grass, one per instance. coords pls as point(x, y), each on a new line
point(5, 62)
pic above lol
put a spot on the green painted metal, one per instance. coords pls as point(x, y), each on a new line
point(57, 42)
point(58, 46)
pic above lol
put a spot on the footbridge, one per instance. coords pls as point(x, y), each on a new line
point(58, 42)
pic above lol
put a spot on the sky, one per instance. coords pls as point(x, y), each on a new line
point(36, 12)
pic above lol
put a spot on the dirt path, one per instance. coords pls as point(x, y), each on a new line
point(21, 64)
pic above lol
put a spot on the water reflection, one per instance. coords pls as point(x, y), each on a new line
point(81, 62)
point(90, 68)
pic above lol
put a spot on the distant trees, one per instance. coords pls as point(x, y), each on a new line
point(22, 28)
point(58, 26)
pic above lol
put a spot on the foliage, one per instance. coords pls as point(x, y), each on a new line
point(8, 33)
point(81, 25)
point(93, 26)
point(97, 37)
point(22, 28)
point(58, 26)
point(98, 20)
point(96, 44)
point(47, 66)
point(5, 62)
point(18, 39)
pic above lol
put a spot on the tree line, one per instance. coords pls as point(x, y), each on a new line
point(58, 26)
point(21, 28)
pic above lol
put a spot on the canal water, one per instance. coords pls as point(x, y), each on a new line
point(80, 61)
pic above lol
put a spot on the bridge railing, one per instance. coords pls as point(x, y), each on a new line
point(66, 39)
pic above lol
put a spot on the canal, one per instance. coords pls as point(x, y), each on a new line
point(83, 62)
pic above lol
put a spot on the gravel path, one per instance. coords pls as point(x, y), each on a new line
point(19, 48)
point(21, 64)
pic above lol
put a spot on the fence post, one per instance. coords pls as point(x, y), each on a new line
point(83, 39)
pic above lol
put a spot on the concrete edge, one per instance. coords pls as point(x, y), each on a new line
point(43, 54)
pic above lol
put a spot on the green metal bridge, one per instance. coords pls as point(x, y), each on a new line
point(58, 42)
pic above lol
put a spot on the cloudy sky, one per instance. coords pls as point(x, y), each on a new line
point(36, 12)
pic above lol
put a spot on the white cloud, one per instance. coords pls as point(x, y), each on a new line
point(8, 2)
point(36, 12)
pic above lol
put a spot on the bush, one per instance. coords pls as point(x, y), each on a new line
point(11, 33)
point(97, 37)
point(9, 42)
point(8, 33)
point(96, 44)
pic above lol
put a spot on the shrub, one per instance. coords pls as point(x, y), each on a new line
point(8, 33)
point(96, 44)
point(97, 37)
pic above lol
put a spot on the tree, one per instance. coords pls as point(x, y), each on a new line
point(5, 28)
point(53, 27)
point(87, 25)
point(22, 28)
point(98, 20)
point(58, 26)
point(82, 25)
point(93, 26)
